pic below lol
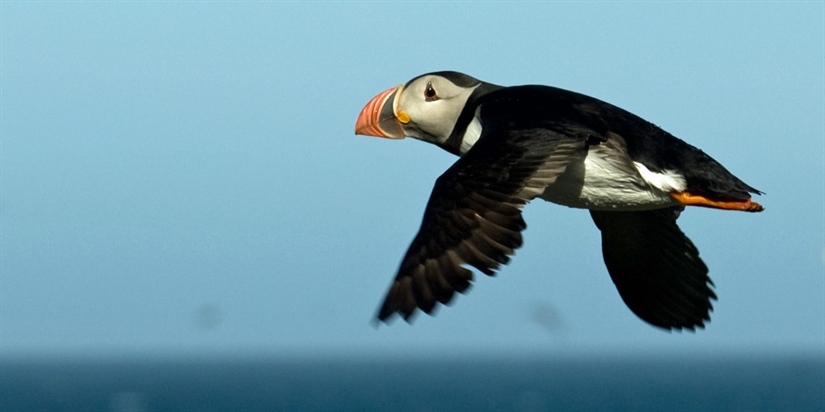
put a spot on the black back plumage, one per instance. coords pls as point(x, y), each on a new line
point(646, 143)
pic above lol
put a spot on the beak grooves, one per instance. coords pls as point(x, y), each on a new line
point(378, 118)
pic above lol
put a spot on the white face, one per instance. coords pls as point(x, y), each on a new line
point(433, 105)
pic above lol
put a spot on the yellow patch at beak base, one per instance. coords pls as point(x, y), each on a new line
point(403, 117)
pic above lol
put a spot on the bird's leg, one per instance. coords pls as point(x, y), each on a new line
point(690, 199)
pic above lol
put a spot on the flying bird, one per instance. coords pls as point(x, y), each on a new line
point(519, 143)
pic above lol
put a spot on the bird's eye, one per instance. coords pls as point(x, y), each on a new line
point(429, 93)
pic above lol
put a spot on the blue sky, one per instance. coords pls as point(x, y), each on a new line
point(183, 178)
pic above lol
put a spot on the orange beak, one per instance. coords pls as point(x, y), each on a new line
point(378, 117)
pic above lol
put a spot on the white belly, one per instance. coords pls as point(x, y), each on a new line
point(607, 180)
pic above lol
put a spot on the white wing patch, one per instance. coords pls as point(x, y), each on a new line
point(668, 181)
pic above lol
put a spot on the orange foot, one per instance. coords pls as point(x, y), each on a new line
point(689, 199)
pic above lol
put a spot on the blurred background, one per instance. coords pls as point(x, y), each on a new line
point(182, 179)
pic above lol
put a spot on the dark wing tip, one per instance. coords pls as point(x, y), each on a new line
point(437, 263)
point(407, 296)
point(678, 320)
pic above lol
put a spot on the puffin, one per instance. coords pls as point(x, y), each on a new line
point(519, 143)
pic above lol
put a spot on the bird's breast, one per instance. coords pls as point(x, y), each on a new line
point(607, 179)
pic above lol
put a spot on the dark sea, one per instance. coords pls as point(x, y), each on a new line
point(420, 384)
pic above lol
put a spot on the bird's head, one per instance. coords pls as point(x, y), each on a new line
point(427, 107)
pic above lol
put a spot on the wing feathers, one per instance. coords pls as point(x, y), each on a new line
point(473, 217)
point(656, 268)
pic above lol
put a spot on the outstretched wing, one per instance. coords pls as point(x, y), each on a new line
point(656, 268)
point(474, 217)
